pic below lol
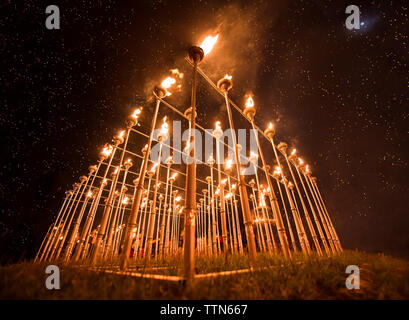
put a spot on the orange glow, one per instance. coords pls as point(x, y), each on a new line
point(307, 169)
point(89, 194)
point(177, 73)
point(178, 198)
point(208, 44)
point(249, 102)
point(125, 201)
point(300, 161)
point(294, 151)
point(122, 133)
point(270, 125)
point(174, 175)
point(226, 76)
point(218, 127)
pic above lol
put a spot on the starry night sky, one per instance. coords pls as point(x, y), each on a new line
point(338, 96)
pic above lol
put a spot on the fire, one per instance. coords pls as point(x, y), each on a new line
point(176, 73)
point(125, 200)
point(300, 161)
point(249, 102)
point(218, 127)
point(277, 170)
point(270, 125)
point(208, 44)
point(307, 169)
point(178, 198)
point(294, 151)
point(89, 194)
point(223, 181)
point(136, 113)
point(253, 154)
point(116, 170)
point(164, 128)
point(229, 163)
point(233, 186)
point(121, 134)
point(154, 167)
point(262, 202)
point(174, 175)
point(226, 76)
point(167, 83)
point(228, 196)
point(106, 151)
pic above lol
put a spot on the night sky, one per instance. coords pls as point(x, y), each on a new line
point(338, 96)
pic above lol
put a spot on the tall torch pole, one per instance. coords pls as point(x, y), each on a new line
point(160, 93)
point(196, 55)
point(225, 84)
point(249, 112)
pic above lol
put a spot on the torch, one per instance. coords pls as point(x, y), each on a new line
point(225, 84)
point(159, 92)
point(249, 112)
point(289, 158)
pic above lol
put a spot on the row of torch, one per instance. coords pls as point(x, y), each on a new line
point(118, 214)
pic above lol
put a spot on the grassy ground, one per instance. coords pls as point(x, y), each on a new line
point(382, 277)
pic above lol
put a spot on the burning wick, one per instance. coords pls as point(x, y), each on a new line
point(208, 44)
point(270, 125)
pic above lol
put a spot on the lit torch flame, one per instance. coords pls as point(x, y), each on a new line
point(270, 125)
point(164, 127)
point(208, 44)
point(218, 125)
point(229, 163)
point(167, 83)
point(294, 151)
point(226, 76)
point(125, 200)
point(174, 175)
point(300, 161)
point(137, 112)
point(106, 151)
point(249, 102)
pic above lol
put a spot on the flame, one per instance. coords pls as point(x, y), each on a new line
point(121, 134)
point(233, 186)
point(106, 151)
point(210, 158)
point(174, 175)
point(294, 151)
point(226, 76)
point(167, 83)
point(164, 128)
point(270, 125)
point(223, 181)
point(217, 191)
point(249, 102)
point(177, 73)
point(218, 125)
point(137, 112)
point(262, 202)
point(180, 210)
point(116, 170)
point(153, 167)
point(228, 196)
point(125, 200)
point(89, 194)
point(290, 184)
point(208, 44)
point(178, 198)
point(229, 163)
point(307, 169)
point(300, 161)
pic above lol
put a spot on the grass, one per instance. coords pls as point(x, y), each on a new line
point(382, 277)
